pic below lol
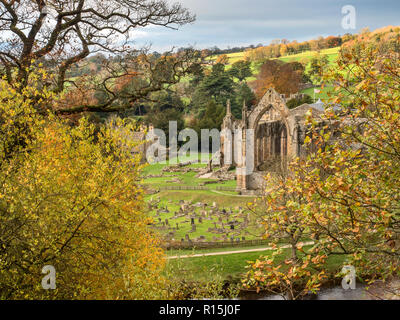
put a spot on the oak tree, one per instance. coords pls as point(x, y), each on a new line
point(61, 34)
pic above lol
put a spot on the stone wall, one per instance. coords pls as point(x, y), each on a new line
point(278, 136)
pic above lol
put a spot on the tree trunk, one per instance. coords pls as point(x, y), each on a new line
point(294, 253)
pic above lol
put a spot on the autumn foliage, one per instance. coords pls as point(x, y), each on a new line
point(70, 197)
point(285, 78)
point(345, 196)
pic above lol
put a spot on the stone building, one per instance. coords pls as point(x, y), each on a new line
point(264, 139)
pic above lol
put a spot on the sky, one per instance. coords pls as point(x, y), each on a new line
point(231, 23)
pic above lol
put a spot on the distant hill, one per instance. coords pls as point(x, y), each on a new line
point(303, 53)
point(295, 51)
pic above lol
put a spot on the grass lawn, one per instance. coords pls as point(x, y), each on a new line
point(187, 179)
point(212, 267)
point(234, 265)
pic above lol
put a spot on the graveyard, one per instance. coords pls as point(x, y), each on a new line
point(194, 215)
point(189, 210)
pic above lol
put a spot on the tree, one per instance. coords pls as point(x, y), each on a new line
point(280, 276)
point(291, 275)
point(197, 75)
point(283, 50)
point(357, 193)
point(64, 202)
point(243, 95)
point(160, 118)
point(333, 41)
point(346, 193)
point(317, 67)
point(211, 118)
point(218, 85)
point(223, 59)
point(241, 70)
point(61, 34)
point(295, 102)
point(285, 78)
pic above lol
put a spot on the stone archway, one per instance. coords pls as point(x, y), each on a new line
point(270, 143)
point(271, 138)
point(269, 120)
point(271, 101)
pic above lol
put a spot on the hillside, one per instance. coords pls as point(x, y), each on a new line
point(297, 52)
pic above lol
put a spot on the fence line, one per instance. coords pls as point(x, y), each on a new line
point(170, 245)
point(218, 188)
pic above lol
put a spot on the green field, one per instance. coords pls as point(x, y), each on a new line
point(211, 268)
point(323, 95)
point(331, 53)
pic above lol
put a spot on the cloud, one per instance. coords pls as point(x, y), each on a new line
point(237, 22)
point(140, 34)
